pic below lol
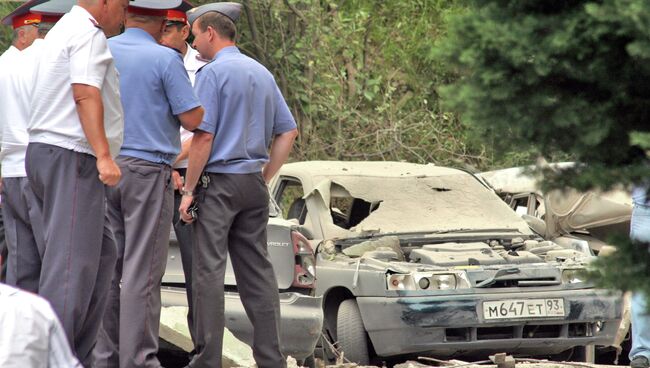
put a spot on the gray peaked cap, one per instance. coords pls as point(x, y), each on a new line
point(230, 10)
point(155, 4)
point(54, 7)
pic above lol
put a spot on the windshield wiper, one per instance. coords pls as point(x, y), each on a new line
point(468, 230)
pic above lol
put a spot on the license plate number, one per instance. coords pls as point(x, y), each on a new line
point(524, 308)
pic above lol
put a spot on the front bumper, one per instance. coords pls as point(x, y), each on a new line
point(301, 319)
point(454, 325)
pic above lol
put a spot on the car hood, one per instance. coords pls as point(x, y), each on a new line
point(600, 213)
point(567, 211)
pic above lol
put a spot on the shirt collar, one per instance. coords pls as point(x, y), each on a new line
point(227, 50)
point(139, 33)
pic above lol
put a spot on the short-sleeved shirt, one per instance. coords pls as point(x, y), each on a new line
point(244, 109)
point(640, 195)
point(75, 51)
point(193, 62)
point(31, 334)
point(155, 88)
point(14, 113)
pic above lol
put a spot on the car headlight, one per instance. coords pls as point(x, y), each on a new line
point(573, 276)
point(401, 282)
point(426, 281)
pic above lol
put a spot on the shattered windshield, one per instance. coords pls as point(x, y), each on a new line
point(415, 204)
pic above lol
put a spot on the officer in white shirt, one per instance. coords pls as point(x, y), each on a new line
point(24, 24)
point(75, 129)
point(176, 32)
point(23, 223)
point(31, 334)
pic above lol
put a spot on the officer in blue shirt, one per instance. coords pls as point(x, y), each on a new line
point(244, 113)
point(157, 98)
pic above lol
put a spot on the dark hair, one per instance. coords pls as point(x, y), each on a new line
point(223, 25)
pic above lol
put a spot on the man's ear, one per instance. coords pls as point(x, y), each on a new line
point(185, 32)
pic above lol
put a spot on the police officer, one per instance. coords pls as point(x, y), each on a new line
point(14, 106)
point(24, 226)
point(175, 36)
point(157, 98)
point(245, 111)
point(76, 122)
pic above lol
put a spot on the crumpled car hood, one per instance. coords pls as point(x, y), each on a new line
point(568, 211)
point(419, 205)
point(597, 212)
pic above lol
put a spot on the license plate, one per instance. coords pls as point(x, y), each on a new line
point(524, 308)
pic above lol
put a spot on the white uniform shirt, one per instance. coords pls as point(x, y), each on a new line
point(74, 51)
point(14, 110)
point(193, 62)
point(31, 334)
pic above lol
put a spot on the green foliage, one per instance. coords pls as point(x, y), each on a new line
point(557, 76)
point(567, 76)
point(359, 77)
point(6, 32)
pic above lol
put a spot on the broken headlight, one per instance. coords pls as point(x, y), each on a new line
point(573, 276)
point(401, 282)
point(426, 281)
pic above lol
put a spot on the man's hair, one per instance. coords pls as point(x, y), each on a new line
point(16, 32)
point(143, 19)
point(223, 25)
point(14, 37)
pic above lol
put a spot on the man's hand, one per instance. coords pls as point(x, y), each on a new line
point(109, 172)
point(186, 201)
point(177, 180)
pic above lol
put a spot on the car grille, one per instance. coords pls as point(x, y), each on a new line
point(540, 281)
point(531, 331)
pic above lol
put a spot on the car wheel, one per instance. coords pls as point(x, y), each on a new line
point(352, 337)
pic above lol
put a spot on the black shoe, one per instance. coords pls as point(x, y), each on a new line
point(639, 361)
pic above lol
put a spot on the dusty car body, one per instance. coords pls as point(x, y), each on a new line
point(590, 216)
point(568, 217)
point(293, 259)
point(427, 260)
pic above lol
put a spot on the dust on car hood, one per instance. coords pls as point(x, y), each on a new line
point(568, 210)
point(417, 204)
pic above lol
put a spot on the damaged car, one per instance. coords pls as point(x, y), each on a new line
point(568, 216)
point(427, 260)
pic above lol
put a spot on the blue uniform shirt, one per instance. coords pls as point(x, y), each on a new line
point(640, 196)
point(154, 88)
point(244, 109)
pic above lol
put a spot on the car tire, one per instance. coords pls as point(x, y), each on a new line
point(352, 336)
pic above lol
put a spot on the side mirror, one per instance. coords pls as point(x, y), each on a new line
point(538, 225)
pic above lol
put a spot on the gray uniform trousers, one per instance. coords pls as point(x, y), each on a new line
point(140, 213)
point(3, 251)
point(184, 236)
point(24, 234)
point(80, 251)
point(232, 217)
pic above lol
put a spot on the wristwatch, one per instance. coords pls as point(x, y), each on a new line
point(187, 192)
